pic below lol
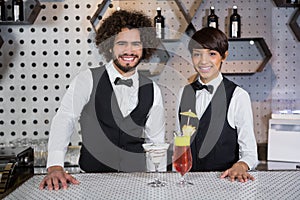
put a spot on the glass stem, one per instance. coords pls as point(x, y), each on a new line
point(156, 172)
point(182, 179)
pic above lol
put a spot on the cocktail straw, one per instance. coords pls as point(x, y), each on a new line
point(174, 133)
point(188, 120)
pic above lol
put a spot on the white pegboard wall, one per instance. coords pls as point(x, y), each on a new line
point(37, 62)
point(286, 61)
point(50, 53)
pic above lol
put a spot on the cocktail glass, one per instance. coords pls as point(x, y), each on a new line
point(156, 153)
point(182, 158)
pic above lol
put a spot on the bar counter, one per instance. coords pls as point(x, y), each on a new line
point(207, 185)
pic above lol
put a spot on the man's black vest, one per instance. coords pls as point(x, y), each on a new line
point(214, 145)
point(111, 142)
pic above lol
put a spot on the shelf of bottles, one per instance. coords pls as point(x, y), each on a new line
point(246, 56)
point(19, 12)
point(108, 6)
point(287, 3)
point(161, 56)
point(295, 24)
point(234, 23)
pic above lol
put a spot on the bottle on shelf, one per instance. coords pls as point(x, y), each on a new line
point(212, 19)
point(2, 10)
point(18, 10)
point(159, 22)
point(235, 24)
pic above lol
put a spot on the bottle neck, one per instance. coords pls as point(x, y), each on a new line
point(234, 11)
point(159, 12)
point(212, 11)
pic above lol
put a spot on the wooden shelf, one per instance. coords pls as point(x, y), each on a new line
point(246, 56)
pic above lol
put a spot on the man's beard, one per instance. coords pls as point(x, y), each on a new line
point(126, 68)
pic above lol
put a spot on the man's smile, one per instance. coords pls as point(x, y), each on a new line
point(128, 58)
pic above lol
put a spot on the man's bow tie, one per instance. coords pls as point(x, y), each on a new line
point(198, 86)
point(127, 82)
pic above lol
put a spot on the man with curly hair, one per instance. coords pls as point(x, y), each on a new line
point(118, 108)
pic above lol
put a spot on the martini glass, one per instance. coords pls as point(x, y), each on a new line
point(156, 152)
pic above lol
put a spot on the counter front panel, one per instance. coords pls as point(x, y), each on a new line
point(268, 185)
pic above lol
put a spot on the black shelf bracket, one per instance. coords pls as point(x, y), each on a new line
point(1, 41)
point(98, 15)
point(287, 3)
point(294, 24)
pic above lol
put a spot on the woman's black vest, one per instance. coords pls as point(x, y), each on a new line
point(214, 145)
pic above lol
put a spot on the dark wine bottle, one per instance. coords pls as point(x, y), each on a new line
point(2, 10)
point(212, 19)
point(18, 10)
point(159, 22)
point(235, 24)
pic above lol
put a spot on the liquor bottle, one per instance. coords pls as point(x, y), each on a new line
point(159, 22)
point(212, 19)
point(18, 10)
point(235, 24)
point(2, 10)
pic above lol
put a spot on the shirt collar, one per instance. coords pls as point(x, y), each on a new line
point(215, 82)
point(113, 74)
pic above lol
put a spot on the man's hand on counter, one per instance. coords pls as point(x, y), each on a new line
point(238, 171)
point(57, 178)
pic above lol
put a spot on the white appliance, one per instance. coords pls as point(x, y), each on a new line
point(284, 140)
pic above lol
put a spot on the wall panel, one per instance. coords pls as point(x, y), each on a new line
point(37, 62)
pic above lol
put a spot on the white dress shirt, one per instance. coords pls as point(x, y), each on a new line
point(77, 96)
point(239, 117)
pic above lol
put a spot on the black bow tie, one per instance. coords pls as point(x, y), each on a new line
point(198, 86)
point(127, 82)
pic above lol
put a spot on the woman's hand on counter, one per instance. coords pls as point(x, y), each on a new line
point(238, 171)
point(57, 178)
